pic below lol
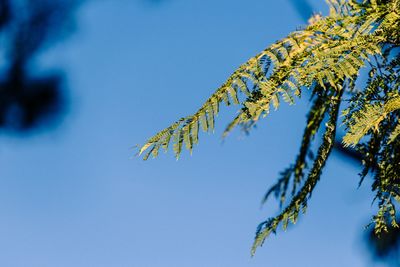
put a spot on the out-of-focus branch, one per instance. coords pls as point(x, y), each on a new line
point(348, 152)
point(303, 8)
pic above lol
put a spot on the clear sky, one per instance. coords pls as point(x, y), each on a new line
point(75, 196)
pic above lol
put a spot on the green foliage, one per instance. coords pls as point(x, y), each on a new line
point(368, 118)
point(326, 58)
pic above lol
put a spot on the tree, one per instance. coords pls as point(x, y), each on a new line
point(325, 58)
point(29, 100)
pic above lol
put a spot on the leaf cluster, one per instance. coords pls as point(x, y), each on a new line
point(325, 58)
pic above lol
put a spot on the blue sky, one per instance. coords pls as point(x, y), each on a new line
point(75, 196)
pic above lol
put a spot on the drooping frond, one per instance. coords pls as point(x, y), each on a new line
point(299, 201)
point(314, 120)
point(186, 130)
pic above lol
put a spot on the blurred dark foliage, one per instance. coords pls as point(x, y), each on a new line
point(27, 27)
point(303, 7)
point(386, 246)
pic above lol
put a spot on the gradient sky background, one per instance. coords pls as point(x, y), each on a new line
point(74, 196)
